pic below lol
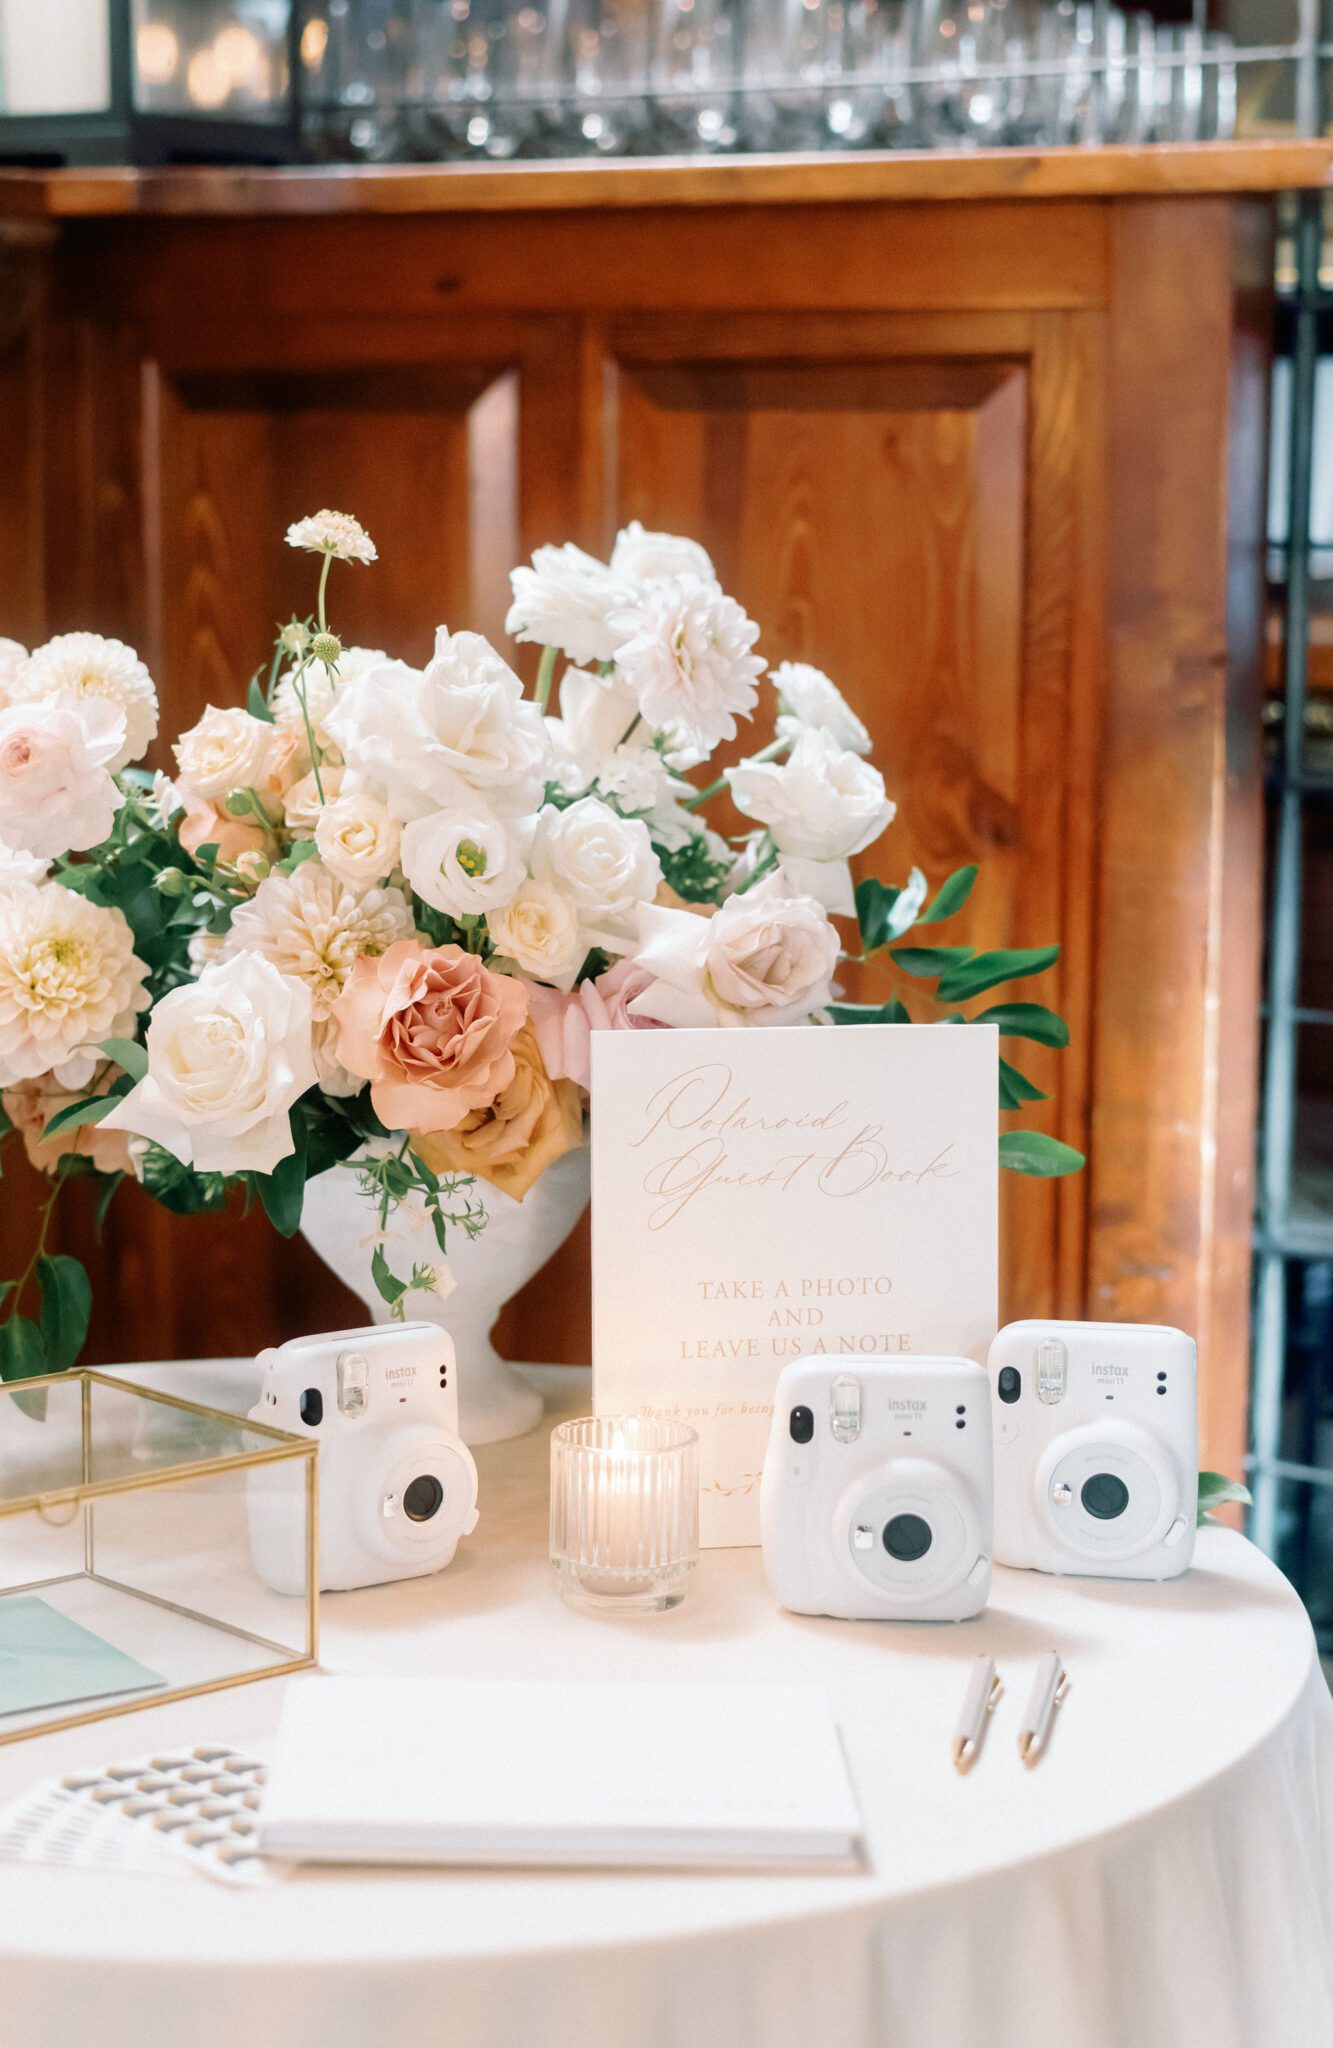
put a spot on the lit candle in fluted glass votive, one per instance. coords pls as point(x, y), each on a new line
point(624, 1511)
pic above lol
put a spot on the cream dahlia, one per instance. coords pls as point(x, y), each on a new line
point(333, 533)
point(69, 977)
point(78, 665)
point(685, 654)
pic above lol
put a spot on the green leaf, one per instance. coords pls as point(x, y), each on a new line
point(391, 1288)
point(953, 895)
point(6, 1289)
point(256, 703)
point(283, 1191)
point(110, 1182)
point(1026, 1020)
point(1215, 1489)
point(1034, 1153)
point(928, 961)
point(874, 906)
point(90, 1111)
point(22, 1352)
point(67, 1302)
point(971, 976)
point(127, 1053)
point(1016, 1089)
point(300, 851)
point(892, 1012)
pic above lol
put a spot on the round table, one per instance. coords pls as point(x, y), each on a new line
point(1163, 1878)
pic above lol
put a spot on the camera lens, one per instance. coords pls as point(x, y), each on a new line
point(907, 1537)
point(1104, 1496)
point(1010, 1383)
point(802, 1425)
point(423, 1497)
point(312, 1407)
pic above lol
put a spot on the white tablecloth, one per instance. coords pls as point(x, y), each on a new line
point(1164, 1878)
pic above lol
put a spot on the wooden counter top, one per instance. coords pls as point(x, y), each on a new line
point(867, 176)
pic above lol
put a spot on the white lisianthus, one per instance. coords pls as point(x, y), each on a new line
point(763, 958)
point(450, 734)
point(357, 839)
point(806, 696)
point(69, 976)
point(642, 557)
point(12, 658)
point(57, 794)
point(538, 929)
point(228, 1055)
point(314, 929)
point(226, 750)
point(565, 600)
point(464, 863)
point(685, 653)
point(822, 803)
point(600, 742)
point(602, 863)
point(333, 533)
point(77, 666)
point(321, 686)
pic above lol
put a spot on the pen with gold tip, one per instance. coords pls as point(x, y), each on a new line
point(1048, 1692)
point(983, 1690)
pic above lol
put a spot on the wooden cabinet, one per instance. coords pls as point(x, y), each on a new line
point(983, 437)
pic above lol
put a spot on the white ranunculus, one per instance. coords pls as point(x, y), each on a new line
point(357, 839)
point(453, 733)
point(642, 557)
point(763, 958)
point(806, 696)
point(603, 863)
point(822, 803)
point(685, 653)
point(564, 600)
point(228, 1055)
point(69, 976)
point(464, 863)
point(538, 929)
point(57, 794)
point(75, 667)
point(228, 749)
point(12, 658)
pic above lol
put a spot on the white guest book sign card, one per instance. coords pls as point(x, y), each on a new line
point(760, 1196)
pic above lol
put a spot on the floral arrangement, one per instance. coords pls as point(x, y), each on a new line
point(375, 914)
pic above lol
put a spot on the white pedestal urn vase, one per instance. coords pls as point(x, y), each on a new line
point(519, 1237)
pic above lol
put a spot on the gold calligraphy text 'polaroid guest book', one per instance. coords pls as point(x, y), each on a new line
point(763, 1195)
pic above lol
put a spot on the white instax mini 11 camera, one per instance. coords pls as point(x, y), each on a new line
point(397, 1485)
point(1096, 1448)
point(876, 1501)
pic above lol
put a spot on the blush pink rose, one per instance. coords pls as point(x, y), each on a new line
point(431, 1029)
point(565, 1019)
point(205, 825)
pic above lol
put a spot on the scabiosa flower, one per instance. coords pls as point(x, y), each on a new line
point(685, 654)
point(69, 976)
point(333, 533)
point(75, 666)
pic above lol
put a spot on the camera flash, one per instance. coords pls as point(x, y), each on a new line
point(845, 1409)
point(1052, 1363)
point(353, 1382)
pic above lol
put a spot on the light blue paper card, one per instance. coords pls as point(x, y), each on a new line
point(47, 1660)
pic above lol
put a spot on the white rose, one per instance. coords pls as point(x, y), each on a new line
point(448, 734)
point(539, 931)
point(302, 803)
point(642, 557)
point(320, 686)
point(464, 863)
point(823, 803)
point(358, 839)
point(806, 696)
point(69, 976)
point(564, 600)
point(228, 1055)
point(684, 652)
point(226, 750)
point(57, 794)
point(762, 959)
point(603, 863)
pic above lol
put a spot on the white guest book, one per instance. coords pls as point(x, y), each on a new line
point(391, 1770)
point(759, 1196)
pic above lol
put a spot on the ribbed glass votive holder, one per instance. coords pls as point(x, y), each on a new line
point(624, 1511)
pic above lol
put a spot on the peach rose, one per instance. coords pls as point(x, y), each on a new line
point(565, 1020)
point(431, 1029)
point(205, 825)
point(531, 1123)
point(30, 1105)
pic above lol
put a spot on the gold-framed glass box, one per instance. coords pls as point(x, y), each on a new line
point(126, 1577)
